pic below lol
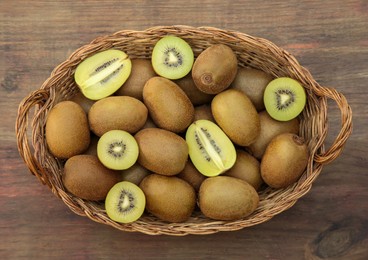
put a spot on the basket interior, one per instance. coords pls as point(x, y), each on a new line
point(251, 51)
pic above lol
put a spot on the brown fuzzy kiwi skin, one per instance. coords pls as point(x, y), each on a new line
point(85, 177)
point(92, 148)
point(284, 161)
point(161, 151)
point(227, 198)
point(117, 113)
point(149, 123)
point(237, 116)
point(214, 69)
point(196, 96)
point(270, 128)
point(203, 112)
point(67, 130)
point(134, 174)
point(252, 82)
point(168, 105)
point(142, 71)
point(246, 168)
point(191, 175)
point(84, 102)
point(168, 198)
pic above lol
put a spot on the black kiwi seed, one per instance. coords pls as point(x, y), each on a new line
point(175, 53)
point(104, 66)
point(112, 149)
point(125, 210)
point(291, 99)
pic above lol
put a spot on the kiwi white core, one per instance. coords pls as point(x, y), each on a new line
point(173, 58)
point(105, 72)
point(208, 147)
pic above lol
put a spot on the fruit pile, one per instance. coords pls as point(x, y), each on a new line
point(171, 133)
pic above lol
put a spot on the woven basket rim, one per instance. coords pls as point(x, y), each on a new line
point(251, 51)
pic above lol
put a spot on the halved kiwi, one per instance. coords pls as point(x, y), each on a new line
point(117, 150)
point(103, 73)
point(284, 98)
point(172, 57)
point(210, 150)
point(125, 202)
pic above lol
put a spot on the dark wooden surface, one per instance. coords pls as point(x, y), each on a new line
point(329, 37)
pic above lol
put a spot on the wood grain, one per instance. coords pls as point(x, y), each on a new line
point(330, 38)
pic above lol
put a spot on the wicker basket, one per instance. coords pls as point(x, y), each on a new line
point(251, 51)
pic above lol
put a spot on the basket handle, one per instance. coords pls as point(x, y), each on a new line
point(38, 97)
point(346, 125)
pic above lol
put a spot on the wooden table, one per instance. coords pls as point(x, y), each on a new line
point(330, 38)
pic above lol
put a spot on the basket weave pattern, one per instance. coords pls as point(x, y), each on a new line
point(251, 51)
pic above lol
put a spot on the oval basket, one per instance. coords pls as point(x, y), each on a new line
point(251, 51)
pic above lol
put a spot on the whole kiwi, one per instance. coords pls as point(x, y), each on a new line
point(81, 100)
point(203, 112)
point(117, 113)
point(85, 177)
point(284, 161)
point(161, 151)
point(142, 71)
point(227, 198)
point(168, 105)
point(246, 168)
point(270, 128)
point(168, 198)
point(196, 96)
point(67, 130)
point(237, 116)
point(191, 175)
point(214, 69)
point(134, 174)
point(253, 83)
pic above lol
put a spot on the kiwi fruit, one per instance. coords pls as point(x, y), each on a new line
point(191, 175)
point(168, 105)
point(81, 100)
point(172, 57)
point(246, 168)
point(270, 128)
point(101, 74)
point(134, 174)
point(141, 72)
point(117, 113)
point(203, 112)
point(149, 123)
point(67, 130)
point(85, 177)
point(227, 198)
point(92, 148)
point(168, 197)
point(210, 150)
point(284, 98)
point(161, 151)
point(117, 150)
point(214, 69)
point(253, 83)
point(284, 160)
point(125, 202)
point(196, 96)
point(236, 115)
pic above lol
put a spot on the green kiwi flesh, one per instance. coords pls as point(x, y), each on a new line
point(103, 73)
point(284, 98)
point(172, 57)
point(125, 202)
point(117, 150)
point(210, 150)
